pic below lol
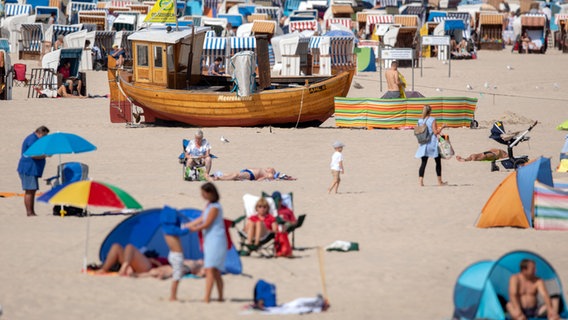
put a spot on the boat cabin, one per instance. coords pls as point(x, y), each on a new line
point(169, 59)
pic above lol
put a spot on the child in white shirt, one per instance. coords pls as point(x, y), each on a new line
point(336, 166)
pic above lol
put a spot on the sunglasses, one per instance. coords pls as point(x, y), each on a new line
point(262, 206)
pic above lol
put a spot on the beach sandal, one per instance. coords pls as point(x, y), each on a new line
point(244, 253)
point(252, 247)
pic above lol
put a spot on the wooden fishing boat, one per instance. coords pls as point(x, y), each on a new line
point(167, 83)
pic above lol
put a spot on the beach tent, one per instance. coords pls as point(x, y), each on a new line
point(143, 231)
point(482, 289)
point(510, 205)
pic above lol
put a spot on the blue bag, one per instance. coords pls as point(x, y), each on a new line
point(264, 294)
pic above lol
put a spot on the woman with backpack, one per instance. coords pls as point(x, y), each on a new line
point(429, 149)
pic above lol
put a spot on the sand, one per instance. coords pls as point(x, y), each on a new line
point(414, 241)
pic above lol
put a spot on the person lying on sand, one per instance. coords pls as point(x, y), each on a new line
point(131, 260)
point(166, 271)
point(136, 264)
point(252, 174)
point(490, 155)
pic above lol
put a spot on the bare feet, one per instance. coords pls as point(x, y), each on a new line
point(442, 183)
point(32, 214)
point(460, 159)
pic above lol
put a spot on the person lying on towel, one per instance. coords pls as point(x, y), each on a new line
point(252, 174)
point(489, 155)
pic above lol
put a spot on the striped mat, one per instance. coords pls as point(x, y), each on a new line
point(550, 207)
point(400, 113)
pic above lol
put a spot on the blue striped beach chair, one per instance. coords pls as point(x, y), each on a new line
point(32, 38)
point(275, 13)
point(5, 45)
point(239, 44)
point(14, 9)
point(214, 47)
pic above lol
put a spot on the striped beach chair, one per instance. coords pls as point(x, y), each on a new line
point(346, 22)
point(375, 19)
point(59, 29)
point(13, 9)
point(314, 48)
point(238, 44)
point(76, 6)
point(32, 38)
point(214, 47)
point(44, 12)
point(275, 13)
point(341, 52)
point(303, 25)
point(290, 6)
point(96, 17)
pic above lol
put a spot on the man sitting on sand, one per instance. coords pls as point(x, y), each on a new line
point(252, 174)
point(490, 155)
point(523, 290)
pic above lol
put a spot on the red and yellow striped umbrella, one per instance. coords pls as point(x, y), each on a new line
point(88, 193)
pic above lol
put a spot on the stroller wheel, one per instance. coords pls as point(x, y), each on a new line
point(473, 124)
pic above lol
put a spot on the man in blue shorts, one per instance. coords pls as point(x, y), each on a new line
point(30, 169)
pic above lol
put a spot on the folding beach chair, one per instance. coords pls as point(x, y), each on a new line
point(67, 173)
point(19, 71)
point(191, 173)
point(286, 200)
point(266, 244)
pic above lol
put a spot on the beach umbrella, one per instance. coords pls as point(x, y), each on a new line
point(89, 193)
point(59, 143)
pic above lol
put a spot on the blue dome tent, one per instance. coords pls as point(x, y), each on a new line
point(143, 231)
point(481, 290)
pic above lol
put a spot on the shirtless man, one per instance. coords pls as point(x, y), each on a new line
point(489, 155)
point(393, 82)
point(252, 174)
point(523, 290)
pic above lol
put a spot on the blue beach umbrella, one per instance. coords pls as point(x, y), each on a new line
point(59, 143)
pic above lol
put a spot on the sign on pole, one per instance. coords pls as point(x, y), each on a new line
point(436, 41)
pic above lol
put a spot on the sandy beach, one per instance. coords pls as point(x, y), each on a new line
point(414, 241)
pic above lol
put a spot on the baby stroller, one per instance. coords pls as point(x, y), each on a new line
point(511, 140)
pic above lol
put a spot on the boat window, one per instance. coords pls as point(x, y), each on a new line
point(158, 57)
point(142, 54)
point(170, 58)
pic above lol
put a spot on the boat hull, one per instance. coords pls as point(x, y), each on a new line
point(297, 105)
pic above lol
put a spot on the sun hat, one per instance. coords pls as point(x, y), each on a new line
point(115, 45)
point(171, 222)
point(338, 144)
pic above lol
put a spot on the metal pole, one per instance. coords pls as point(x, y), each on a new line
point(449, 63)
point(421, 56)
point(412, 61)
point(381, 68)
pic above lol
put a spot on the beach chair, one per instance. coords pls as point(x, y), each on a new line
point(19, 73)
point(287, 200)
point(192, 173)
point(266, 244)
point(67, 173)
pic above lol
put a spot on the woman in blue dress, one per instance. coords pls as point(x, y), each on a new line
point(430, 149)
point(212, 225)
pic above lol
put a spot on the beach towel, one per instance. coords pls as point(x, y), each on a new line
point(402, 86)
point(300, 306)
point(343, 246)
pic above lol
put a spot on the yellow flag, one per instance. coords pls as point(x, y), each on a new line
point(163, 11)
